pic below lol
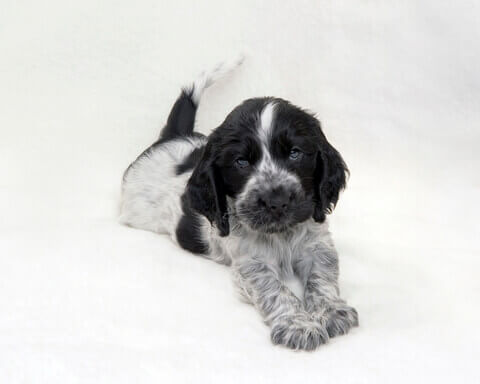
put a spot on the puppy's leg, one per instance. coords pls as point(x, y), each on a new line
point(319, 272)
point(290, 324)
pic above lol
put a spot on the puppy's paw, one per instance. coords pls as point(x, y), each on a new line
point(339, 320)
point(299, 332)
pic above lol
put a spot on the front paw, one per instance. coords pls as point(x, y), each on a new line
point(299, 332)
point(340, 319)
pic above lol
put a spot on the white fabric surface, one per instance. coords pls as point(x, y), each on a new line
point(86, 86)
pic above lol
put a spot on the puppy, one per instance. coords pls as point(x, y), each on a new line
point(254, 195)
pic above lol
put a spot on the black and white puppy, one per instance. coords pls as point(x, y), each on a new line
point(254, 195)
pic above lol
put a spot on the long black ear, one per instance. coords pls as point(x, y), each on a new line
point(205, 192)
point(331, 174)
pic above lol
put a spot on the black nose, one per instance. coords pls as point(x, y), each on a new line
point(276, 202)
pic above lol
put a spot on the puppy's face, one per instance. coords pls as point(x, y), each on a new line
point(272, 159)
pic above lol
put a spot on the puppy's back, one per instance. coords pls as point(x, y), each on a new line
point(154, 183)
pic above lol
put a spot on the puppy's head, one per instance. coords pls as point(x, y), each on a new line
point(273, 160)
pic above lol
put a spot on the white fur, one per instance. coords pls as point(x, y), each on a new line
point(266, 123)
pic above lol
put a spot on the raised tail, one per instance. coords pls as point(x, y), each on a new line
point(181, 119)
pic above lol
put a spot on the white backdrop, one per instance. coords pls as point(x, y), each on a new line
point(86, 86)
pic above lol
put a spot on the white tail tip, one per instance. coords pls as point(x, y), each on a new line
point(207, 78)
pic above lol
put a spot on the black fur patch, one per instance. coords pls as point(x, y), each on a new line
point(181, 119)
point(188, 233)
point(190, 161)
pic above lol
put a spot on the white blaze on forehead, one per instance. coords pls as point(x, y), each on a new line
point(266, 123)
point(265, 128)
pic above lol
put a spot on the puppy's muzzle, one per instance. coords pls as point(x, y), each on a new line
point(276, 202)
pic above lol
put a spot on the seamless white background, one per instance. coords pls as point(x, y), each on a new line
point(85, 86)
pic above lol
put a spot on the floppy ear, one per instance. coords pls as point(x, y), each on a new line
point(330, 178)
point(205, 192)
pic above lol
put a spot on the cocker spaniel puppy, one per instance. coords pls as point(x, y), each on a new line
point(253, 195)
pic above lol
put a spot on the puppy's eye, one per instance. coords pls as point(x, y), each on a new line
point(242, 163)
point(295, 154)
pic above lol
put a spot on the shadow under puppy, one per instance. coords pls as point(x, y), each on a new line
point(253, 195)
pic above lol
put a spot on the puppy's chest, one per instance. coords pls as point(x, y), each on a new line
point(278, 250)
point(283, 250)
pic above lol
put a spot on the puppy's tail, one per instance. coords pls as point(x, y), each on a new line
point(181, 119)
